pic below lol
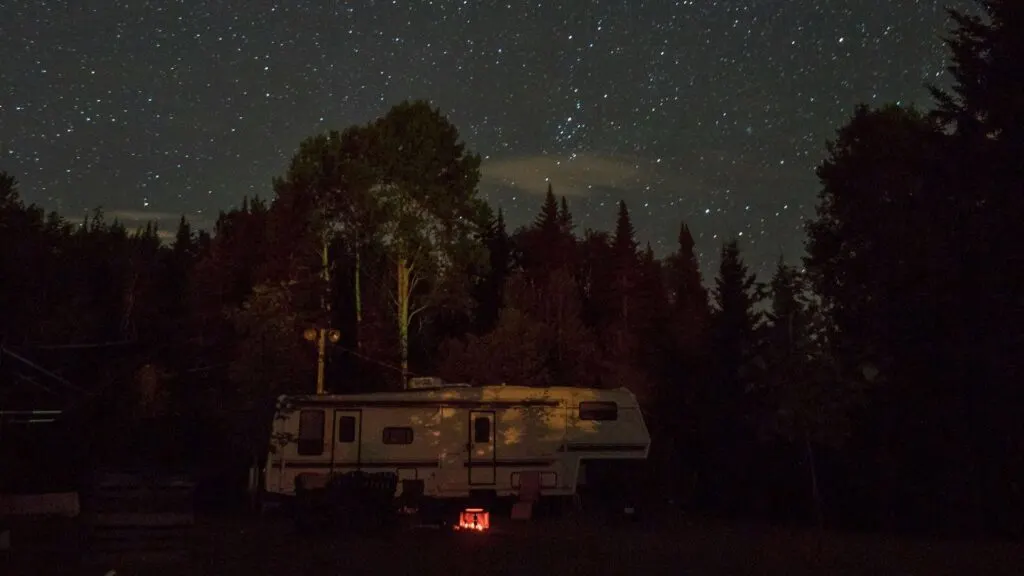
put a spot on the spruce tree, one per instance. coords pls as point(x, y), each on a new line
point(547, 220)
point(490, 292)
point(688, 295)
point(624, 248)
point(565, 223)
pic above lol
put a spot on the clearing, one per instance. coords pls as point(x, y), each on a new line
point(226, 546)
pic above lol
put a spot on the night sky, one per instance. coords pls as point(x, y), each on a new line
point(712, 112)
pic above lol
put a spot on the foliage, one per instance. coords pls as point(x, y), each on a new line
point(904, 322)
point(736, 317)
point(514, 352)
point(425, 186)
point(808, 396)
point(916, 258)
point(270, 358)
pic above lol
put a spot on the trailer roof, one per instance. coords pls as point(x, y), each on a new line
point(475, 396)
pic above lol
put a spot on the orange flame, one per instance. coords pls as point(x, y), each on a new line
point(476, 519)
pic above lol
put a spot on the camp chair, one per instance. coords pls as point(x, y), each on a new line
point(529, 493)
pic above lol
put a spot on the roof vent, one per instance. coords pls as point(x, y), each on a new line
point(419, 383)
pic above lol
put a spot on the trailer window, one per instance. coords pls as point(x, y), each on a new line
point(346, 429)
point(599, 411)
point(398, 435)
point(482, 430)
point(311, 432)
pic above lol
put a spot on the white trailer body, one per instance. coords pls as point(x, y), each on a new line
point(457, 440)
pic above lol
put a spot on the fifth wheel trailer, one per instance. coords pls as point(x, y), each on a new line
point(458, 440)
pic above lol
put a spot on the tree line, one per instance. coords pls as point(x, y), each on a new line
point(876, 385)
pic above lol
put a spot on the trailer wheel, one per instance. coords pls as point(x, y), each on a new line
point(305, 513)
point(556, 506)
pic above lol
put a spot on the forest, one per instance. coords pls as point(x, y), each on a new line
point(878, 385)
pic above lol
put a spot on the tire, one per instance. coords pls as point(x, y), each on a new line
point(304, 512)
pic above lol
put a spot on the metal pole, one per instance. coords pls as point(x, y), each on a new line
point(321, 358)
point(325, 302)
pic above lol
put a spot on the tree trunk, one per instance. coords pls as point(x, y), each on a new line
point(325, 304)
point(359, 302)
point(819, 515)
point(325, 271)
point(403, 317)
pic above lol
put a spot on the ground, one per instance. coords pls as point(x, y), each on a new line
point(570, 545)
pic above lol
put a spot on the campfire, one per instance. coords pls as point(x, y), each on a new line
point(475, 519)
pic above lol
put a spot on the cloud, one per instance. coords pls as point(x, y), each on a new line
point(577, 175)
point(167, 222)
point(142, 216)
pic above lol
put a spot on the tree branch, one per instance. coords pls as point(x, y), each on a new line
point(417, 310)
point(414, 281)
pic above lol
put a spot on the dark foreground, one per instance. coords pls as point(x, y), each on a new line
point(570, 545)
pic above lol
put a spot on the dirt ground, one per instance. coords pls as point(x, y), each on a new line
point(568, 545)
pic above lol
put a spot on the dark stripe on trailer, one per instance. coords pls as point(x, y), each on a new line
point(605, 448)
point(424, 403)
point(509, 463)
point(409, 464)
point(353, 466)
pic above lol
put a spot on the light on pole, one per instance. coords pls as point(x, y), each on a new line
point(321, 336)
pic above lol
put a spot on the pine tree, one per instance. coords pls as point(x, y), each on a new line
point(982, 309)
point(596, 276)
point(986, 107)
point(803, 395)
point(787, 318)
point(988, 72)
point(688, 296)
point(491, 290)
point(624, 239)
point(547, 220)
point(565, 223)
point(682, 395)
point(624, 249)
point(727, 440)
point(184, 241)
point(549, 244)
point(177, 271)
point(651, 311)
point(736, 297)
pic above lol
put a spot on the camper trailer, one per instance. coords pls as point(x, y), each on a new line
point(458, 440)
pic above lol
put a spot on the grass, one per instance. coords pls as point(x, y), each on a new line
point(570, 545)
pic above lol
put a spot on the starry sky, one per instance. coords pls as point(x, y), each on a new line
point(712, 112)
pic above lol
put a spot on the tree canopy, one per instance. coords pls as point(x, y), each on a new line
point(874, 384)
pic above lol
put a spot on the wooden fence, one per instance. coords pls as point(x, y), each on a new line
point(134, 518)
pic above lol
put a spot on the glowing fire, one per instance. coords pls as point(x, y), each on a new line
point(476, 519)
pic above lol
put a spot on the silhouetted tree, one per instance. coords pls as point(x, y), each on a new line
point(624, 250)
point(330, 179)
point(515, 352)
point(426, 187)
point(802, 394)
point(875, 248)
point(726, 437)
point(490, 291)
point(983, 182)
point(549, 244)
point(270, 358)
point(736, 318)
point(676, 415)
point(879, 256)
point(222, 280)
point(565, 220)
point(688, 296)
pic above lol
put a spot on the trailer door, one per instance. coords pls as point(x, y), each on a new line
point(481, 448)
point(345, 454)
